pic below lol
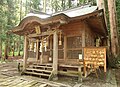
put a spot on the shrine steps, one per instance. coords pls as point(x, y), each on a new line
point(41, 70)
point(71, 70)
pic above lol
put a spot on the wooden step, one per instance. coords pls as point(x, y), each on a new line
point(70, 66)
point(39, 70)
point(44, 67)
point(67, 73)
point(70, 73)
point(48, 64)
point(34, 73)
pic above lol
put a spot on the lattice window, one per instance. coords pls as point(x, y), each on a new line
point(46, 53)
point(74, 45)
point(73, 53)
point(31, 54)
point(61, 46)
point(87, 40)
point(74, 42)
point(60, 54)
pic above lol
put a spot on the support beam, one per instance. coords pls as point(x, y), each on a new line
point(83, 44)
point(83, 37)
point(25, 53)
point(41, 56)
point(51, 51)
point(42, 34)
point(37, 50)
point(55, 53)
point(65, 48)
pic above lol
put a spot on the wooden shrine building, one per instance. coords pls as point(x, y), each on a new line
point(54, 45)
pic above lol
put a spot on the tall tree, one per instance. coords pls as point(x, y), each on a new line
point(9, 25)
point(20, 36)
point(118, 16)
point(44, 5)
point(63, 4)
point(113, 27)
point(69, 3)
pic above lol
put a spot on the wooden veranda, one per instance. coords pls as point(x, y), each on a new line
point(55, 45)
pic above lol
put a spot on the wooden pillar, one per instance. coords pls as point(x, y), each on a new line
point(41, 56)
point(37, 49)
point(65, 48)
point(51, 51)
point(55, 53)
point(83, 45)
point(25, 53)
point(83, 37)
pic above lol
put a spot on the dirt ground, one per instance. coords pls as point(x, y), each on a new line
point(10, 77)
point(117, 77)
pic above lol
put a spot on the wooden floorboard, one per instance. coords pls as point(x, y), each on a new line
point(10, 77)
point(17, 81)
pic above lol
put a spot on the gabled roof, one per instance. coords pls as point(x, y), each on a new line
point(73, 12)
point(79, 11)
point(27, 25)
point(93, 17)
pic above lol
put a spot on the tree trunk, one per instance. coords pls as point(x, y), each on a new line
point(82, 1)
point(18, 45)
point(63, 4)
point(26, 7)
point(100, 4)
point(20, 10)
point(69, 3)
point(113, 27)
point(5, 50)
point(44, 6)
point(56, 6)
point(18, 48)
point(13, 49)
point(0, 48)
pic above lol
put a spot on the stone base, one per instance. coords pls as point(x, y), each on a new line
point(55, 77)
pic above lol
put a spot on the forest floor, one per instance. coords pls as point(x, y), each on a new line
point(117, 74)
point(10, 77)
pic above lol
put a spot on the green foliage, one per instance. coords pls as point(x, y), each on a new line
point(9, 18)
point(115, 62)
point(35, 4)
point(15, 54)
